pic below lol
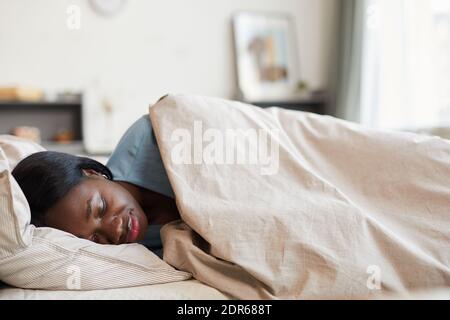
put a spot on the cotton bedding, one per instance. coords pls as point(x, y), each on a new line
point(327, 209)
point(282, 204)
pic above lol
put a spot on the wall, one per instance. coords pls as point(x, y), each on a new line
point(148, 49)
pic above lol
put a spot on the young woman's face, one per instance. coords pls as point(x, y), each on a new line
point(99, 210)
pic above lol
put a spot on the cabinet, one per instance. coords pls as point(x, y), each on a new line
point(316, 104)
point(50, 117)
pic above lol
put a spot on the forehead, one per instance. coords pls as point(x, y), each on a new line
point(82, 191)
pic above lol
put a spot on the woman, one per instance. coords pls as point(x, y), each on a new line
point(126, 201)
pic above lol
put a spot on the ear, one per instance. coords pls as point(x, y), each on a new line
point(91, 172)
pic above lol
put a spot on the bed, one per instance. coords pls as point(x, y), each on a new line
point(182, 290)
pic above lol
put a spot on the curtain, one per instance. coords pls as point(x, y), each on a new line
point(350, 38)
point(392, 64)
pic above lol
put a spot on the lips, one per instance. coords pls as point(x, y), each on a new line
point(132, 228)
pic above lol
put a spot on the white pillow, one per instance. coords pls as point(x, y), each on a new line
point(47, 258)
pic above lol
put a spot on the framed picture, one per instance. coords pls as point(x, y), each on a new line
point(266, 56)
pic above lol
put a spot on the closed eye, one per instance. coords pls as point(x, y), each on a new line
point(104, 206)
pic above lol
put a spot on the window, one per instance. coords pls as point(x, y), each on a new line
point(406, 64)
point(441, 29)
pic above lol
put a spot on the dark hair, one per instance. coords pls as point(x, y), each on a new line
point(46, 177)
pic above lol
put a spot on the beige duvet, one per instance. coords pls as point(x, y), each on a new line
point(329, 210)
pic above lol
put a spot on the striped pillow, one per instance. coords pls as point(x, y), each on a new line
point(47, 258)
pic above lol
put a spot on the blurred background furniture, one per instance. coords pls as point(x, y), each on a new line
point(59, 124)
point(57, 121)
point(310, 103)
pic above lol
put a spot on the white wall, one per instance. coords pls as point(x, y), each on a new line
point(150, 48)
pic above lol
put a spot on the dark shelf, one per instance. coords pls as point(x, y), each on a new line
point(316, 104)
point(49, 116)
point(38, 103)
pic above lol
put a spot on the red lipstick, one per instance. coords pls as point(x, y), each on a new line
point(133, 232)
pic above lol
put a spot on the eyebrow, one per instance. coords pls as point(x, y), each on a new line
point(89, 209)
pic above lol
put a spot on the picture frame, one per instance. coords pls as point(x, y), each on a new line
point(266, 56)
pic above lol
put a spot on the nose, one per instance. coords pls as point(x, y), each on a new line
point(112, 229)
